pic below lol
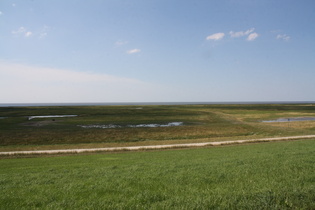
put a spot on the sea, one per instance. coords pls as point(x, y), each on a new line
point(150, 103)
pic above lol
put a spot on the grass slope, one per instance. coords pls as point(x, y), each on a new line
point(257, 176)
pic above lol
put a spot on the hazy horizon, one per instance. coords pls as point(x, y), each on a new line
point(150, 103)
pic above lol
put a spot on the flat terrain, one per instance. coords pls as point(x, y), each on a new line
point(120, 126)
point(277, 175)
point(273, 175)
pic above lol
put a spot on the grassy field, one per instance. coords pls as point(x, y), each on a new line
point(200, 123)
point(277, 175)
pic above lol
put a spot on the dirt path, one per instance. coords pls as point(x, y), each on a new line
point(152, 147)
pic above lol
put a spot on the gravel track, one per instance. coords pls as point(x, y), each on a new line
point(153, 147)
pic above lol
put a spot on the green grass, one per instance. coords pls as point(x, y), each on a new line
point(277, 175)
point(201, 123)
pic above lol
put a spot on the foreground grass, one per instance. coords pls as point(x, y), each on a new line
point(200, 123)
point(276, 175)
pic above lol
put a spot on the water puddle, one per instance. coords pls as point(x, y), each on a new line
point(290, 119)
point(170, 124)
point(1, 118)
point(50, 116)
point(137, 108)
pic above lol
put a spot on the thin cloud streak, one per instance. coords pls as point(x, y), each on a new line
point(28, 34)
point(29, 84)
point(42, 74)
point(22, 31)
point(216, 36)
point(133, 51)
point(120, 43)
point(252, 36)
point(283, 37)
point(241, 33)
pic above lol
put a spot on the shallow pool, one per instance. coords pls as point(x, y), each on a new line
point(50, 116)
point(290, 119)
point(170, 124)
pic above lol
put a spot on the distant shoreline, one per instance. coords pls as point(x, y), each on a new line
point(150, 103)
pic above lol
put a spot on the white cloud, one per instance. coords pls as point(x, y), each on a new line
point(283, 37)
point(19, 31)
point(29, 84)
point(252, 36)
point(22, 31)
point(241, 33)
point(1, 13)
point(120, 43)
point(216, 36)
point(133, 51)
point(28, 34)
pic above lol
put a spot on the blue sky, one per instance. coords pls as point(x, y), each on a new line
point(157, 50)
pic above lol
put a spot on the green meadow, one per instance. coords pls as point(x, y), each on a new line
point(278, 175)
point(200, 123)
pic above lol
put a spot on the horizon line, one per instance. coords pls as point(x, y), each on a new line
point(149, 103)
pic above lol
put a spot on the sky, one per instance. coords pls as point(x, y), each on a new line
point(156, 51)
